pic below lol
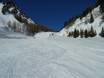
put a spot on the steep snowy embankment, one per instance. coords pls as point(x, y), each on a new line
point(54, 57)
point(7, 23)
point(93, 19)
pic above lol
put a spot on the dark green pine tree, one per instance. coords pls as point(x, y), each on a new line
point(86, 33)
point(92, 33)
point(81, 33)
point(76, 33)
point(102, 18)
point(91, 18)
point(102, 32)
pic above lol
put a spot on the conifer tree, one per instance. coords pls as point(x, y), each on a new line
point(102, 32)
point(69, 35)
point(86, 33)
point(92, 33)
point(81, 33)
point(76, 33)
point(91, 18)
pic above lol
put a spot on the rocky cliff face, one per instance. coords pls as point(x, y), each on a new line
point(17, 20)
point(10, 7)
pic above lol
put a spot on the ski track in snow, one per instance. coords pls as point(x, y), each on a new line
point(53, 57)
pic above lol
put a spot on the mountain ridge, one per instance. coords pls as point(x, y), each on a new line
point(91, 17)
point(17, 21)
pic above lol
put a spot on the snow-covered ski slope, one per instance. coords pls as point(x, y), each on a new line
point(52, 57)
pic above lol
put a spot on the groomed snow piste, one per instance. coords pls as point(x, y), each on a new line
point(52, 57)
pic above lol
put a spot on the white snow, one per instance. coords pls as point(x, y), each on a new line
point(1, 6)
point(11, 9)
point(44, 35)
point(51, 57)
point(30, 21)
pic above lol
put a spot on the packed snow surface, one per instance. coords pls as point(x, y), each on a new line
point(51, 57)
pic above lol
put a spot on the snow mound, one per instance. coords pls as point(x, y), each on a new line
point(44, 35)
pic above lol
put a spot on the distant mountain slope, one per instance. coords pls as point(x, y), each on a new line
point(92, 17)
point(10, 7)
point(15, 20)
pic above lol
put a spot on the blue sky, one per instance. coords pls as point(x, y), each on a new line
point(53, 13)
